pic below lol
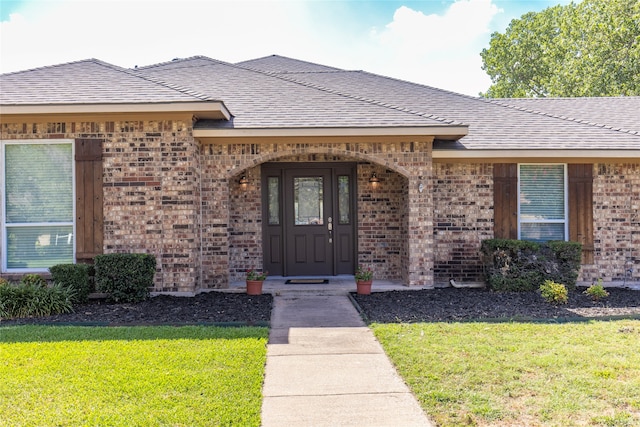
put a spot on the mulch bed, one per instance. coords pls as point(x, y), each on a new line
point(204, 308)
point(450, 304)
point(445, 304)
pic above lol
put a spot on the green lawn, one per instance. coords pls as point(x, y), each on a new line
point(520, 374)
point(133, 376)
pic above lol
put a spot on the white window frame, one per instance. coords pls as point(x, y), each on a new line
point(566, 202)
point(3, 208)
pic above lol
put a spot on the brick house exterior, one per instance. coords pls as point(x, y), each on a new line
point(159, 152)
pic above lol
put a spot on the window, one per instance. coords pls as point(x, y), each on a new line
point(37, 205)
point(542, 202)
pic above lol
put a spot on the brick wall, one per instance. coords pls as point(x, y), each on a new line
point(151, 187)
point(463, 217)
point(616, 198)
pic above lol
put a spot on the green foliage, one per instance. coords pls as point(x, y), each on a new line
point(131, 376)
point(596, 291)
point(520, 373)
point(26, 300)
point(125, 277)
point(76, 277)
point(554, 293)
point(33, 280)
point(3, 281)
point(519, 265)
point(589, 48)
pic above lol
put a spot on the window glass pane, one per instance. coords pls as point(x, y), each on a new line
point(39, 183)
point(541, 232)
point(542, 192)
point(307, 201)
point(344, 201)
point(39, 246)
point(273, 189)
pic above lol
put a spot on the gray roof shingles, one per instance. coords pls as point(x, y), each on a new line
point(87, 82)
point(492, 123)
point(279, 92)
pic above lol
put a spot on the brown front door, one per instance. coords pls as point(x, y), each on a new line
point(309, 219)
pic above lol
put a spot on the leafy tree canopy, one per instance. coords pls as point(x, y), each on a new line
point(590, 48)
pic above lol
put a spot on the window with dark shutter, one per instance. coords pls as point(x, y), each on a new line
point(89, 199)
point(580, 204)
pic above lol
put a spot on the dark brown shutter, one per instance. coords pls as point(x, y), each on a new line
point(581, 208)
point(505, 201)
point(89, 199)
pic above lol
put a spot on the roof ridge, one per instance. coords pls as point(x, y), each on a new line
point(177, 60)
point(290, 59)
point(351, 96)
point(499, 102)
point(79, 61)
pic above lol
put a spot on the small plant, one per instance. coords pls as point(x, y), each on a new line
point(3, 282)
point(554, 293)
point(363, 275)
point(596, 291)
point(33, 280)
point(254, 275)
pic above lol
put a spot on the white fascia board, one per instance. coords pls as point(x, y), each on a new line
point(540, 153)
point(202, 109)
point(439, 131)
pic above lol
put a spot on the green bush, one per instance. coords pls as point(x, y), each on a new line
point(125, 277)
point(597, 291)
point(554, 293)
point(519, 265)
point(26, 300)
point(74, 276)
point(33, 280)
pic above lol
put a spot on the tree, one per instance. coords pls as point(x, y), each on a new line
point(587, 49)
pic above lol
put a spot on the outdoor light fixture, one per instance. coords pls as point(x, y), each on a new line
point(374, 178)
point(244, 180)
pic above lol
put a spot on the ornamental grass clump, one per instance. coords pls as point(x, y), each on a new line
point(33, 300)
point(554, 293)
point(596, 291)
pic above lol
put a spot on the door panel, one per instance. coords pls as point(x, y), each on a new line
point(309, 218)
point(307, 207)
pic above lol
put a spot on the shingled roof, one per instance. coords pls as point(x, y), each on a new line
point(493, 124)
point(277, 93)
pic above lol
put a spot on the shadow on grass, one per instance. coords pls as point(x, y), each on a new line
point(57, 333)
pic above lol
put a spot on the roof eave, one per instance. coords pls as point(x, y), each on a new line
point(558, 155)
point(446, 132)
point(215, 110)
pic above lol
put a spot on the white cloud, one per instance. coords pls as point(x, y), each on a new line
point(439, 50)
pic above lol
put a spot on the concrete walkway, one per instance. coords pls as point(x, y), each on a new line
point(325, 368)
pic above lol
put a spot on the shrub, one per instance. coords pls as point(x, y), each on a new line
point(519, 265)
point(25, 300)
point(554, 293)
point(77, 277)
point(3, 281)
point(125, 277)
point(33, 280)
point(597, 291)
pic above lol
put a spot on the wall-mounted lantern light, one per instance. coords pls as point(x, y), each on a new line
point(244, 180)
point(374, 178)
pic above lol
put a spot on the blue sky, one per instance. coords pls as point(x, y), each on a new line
point(434, 42)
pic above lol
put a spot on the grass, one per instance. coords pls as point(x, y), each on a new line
point(131, 376)
point(520, 374)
